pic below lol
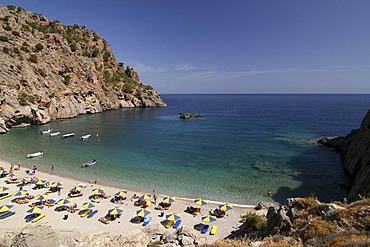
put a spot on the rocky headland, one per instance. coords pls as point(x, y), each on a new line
point(52, 71)
point(354, 150)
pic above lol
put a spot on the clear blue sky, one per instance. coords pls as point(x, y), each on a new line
point(231, 46)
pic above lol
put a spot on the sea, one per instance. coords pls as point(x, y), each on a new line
point(244, 146)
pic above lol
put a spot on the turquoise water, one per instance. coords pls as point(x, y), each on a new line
point(244, 146)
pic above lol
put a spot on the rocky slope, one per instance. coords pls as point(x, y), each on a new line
point(355, 153)
point(50, 71)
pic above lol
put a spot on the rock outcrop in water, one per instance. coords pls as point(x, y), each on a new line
point(355, 154)
point(51, 71)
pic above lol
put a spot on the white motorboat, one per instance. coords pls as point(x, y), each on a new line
point(54, 134)
point(89, 163)
point(33, 155)
point(68, 135)
point(85, 136)
point(44, 132)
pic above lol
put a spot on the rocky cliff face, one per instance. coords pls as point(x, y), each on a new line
point(51, 71)
point(355, 153)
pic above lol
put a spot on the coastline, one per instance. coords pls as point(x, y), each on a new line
point(82, 227)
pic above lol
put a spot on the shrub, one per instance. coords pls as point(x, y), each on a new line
point(7, 28)
point(16, 50)
point(319, 228)
point(67, 79)
point(15, 33)
point(307, 202)
point(4, 39)
point(39, 47)
point(254, 222)
point(25, 49)
point(33, 58)
point(6, 50)
point(22, 98)
point(73, 47)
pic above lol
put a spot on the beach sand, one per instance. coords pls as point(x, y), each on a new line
point(81, 227)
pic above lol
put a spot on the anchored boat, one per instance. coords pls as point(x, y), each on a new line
point(68, 135)
point(54, 134)
point(89, 163)
point(85, 136)
point(33, 155)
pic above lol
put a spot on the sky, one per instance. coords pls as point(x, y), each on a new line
point(230, 46)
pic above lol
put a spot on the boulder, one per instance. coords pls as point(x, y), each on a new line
point(41, 235)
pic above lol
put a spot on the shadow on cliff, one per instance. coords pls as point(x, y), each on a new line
point(322, 176)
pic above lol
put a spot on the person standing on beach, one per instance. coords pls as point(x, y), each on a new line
point(52, 169)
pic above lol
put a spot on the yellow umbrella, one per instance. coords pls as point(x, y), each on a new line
point(173, 217)
point(35, 209)
point(41, 197)
point(209, 219)
point(41, 182)
point(20, 193)
point(226, 207)
point(143, 212)
point(121, 193)
point(56, 184)
point(116, 210)
point(98, 191)
point(145, 197)
point(76, 188)
point(65, 201)
point(169, 199)
point(89, 205)
point(5, 208)
point(4, 188)
point(200, 201)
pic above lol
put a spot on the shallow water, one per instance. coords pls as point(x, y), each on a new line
point(244, 146)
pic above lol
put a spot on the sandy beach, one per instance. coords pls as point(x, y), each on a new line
point(81, 227)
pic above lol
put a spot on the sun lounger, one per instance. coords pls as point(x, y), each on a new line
point(92, 213)
point(85, 212)
point(177, 224)
point(21, 200)
point(8, 214)
point(30, 217)
point(213, 230)
point(137, 219)
point(104, 220)
point(38, 218)
point(147, 220)
point(5, 196)
point(205, 229)
point(169, 223)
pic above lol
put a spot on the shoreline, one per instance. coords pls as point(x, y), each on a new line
point(85, 227)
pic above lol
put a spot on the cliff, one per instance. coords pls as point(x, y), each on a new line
point(355, 153)
point(51, 71)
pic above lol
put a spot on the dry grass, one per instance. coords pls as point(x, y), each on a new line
point(318, 228)
point(307, 202)
point(348, 240)
point(228, 243)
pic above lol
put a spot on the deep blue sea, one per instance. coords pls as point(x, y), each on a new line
point(244, 146)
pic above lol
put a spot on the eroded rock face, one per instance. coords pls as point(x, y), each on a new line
point(355, 153)
point(51, 71)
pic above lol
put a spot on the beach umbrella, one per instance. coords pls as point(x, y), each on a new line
point(4, 188)
point(116, 210)
point(35, 209)
point(41, 182)
point(41, 197)
point(20, 193)
point(65, 201)
point(121, 193)
point(200, 201)
point(169, 199)
point(26, 180)
point(226, 207)
point(57, 184)
point(5, 208)
point(209, 219)
point(98, 191)
point(143, 212)
point(145, 197)
point(89, 205)
point(173, 217)
point(76, 188)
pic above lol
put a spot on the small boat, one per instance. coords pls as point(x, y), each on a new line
point(54, 134)
point(85, 136)
point(68, 135)
point(89, 163)
point(44, 132)
point(33, 155)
